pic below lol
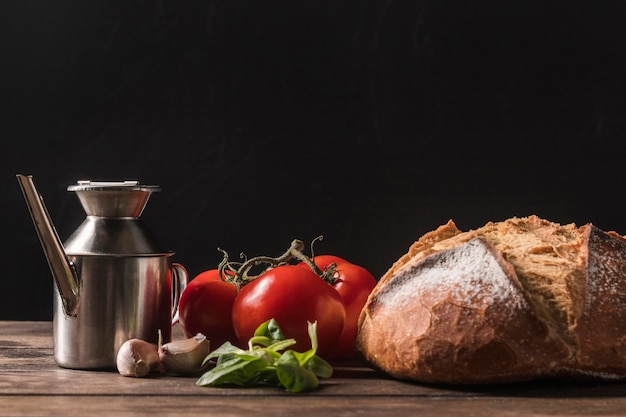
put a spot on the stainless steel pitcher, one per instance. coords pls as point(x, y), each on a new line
point(114, 281)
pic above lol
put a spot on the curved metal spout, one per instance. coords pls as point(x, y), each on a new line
point(62, 269)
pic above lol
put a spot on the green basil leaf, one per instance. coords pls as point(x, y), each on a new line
point(319, 367)
point(263, 362)
point(274, 330)
point(292, 376)
point(304, 357)
point(271, 330)
point(262, 329)
point(250, 355)
point(267, 334)
point(235, 371)
point(224, 349)
point(281, 345)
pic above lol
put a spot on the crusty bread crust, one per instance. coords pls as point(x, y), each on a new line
point(512, 301)
point(600, 327)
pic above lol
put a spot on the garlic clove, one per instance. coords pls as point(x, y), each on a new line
point(185, 357)
point(137, 358)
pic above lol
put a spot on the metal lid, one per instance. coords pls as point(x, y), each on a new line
point(113, 199)
point(127, 185)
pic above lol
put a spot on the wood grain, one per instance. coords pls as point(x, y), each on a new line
point(32, 384)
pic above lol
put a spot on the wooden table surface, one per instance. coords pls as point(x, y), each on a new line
point(32, 384)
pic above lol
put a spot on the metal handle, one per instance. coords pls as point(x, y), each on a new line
point(180, 277)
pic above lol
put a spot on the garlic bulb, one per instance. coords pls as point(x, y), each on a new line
point(185, 357)
point(138, 358)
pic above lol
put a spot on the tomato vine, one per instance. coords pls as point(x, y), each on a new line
point(238, 273)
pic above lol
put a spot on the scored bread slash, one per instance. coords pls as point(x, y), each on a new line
point(512, 301)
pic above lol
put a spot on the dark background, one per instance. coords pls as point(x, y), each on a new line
point(370, 122)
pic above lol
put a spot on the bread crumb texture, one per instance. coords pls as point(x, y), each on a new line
point(511, 301)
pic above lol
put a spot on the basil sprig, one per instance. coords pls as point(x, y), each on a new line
point(267, 361)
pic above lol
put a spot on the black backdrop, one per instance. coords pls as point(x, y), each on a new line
point(370, 122)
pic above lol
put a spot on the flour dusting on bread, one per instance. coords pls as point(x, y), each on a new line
point(510, 301)
point(469, 276)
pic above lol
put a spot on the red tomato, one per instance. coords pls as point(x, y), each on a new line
point(293, 296)
point(205, 307)
point(354, 283)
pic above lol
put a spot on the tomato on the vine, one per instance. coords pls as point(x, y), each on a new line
point(354, 283)
point(292, 296)
point(228, 304)
point(205, 307)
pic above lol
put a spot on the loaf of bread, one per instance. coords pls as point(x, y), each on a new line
point(511, 301)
